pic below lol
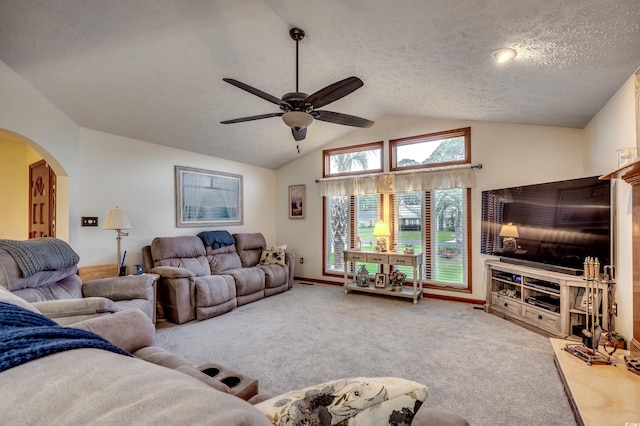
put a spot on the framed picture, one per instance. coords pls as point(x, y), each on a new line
point(207, 198)
point(381, 280)
point(297, 202)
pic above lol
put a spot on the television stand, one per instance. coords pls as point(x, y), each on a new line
point(546, 302)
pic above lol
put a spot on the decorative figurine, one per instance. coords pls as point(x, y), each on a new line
point(358, 244)
point(362, 279)
point(381, 245)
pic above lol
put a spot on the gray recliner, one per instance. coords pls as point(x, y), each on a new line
point(46, 288)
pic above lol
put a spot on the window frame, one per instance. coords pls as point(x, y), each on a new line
point(447, 134)
point(328, 153)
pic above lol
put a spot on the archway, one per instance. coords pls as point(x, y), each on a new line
point(17, 153)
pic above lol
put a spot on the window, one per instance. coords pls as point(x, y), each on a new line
point(348, 217)
point(435, 149)
point(429, 207)
point(436, 223)
point(353, 160)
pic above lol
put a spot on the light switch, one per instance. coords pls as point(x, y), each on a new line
point(89, 221)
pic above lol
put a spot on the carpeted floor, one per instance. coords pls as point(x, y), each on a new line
point(490, 371)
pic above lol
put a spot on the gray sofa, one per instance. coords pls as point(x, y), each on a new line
point(94, 386)
point(200, 282)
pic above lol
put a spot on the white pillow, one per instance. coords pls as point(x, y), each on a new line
point(273, 255)
point(357, 401)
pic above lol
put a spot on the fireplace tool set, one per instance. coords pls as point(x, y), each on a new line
point(588, 350)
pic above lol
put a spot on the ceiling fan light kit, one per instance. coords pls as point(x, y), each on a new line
point(297, 119)
point(299, 110)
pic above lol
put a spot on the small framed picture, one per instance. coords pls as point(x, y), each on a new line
point(381, 280)
point(297, 203)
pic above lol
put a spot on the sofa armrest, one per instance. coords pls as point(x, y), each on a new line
point(68, 311)
point(119, 288)
point(173, 272)
point(290, 261)
point(130, 329)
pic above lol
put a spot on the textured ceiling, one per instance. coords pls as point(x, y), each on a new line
point(153, 69)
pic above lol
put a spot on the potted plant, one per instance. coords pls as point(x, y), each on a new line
point(397, 279)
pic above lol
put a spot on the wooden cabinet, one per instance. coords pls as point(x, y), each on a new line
point(548, 302)
point(413, 260)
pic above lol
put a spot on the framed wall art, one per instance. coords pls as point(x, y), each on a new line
point(297, 202)
point(207, 198)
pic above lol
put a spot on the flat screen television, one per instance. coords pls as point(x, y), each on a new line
point(558, 223)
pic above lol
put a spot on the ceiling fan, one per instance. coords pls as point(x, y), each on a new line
point(298, 110)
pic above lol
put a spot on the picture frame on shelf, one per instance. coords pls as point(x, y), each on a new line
point(207, 198)
point(381, 280)
point(297, 202)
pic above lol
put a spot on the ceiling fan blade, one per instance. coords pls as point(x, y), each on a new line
point(299, 134)
point(333, 92)
point(254, 91)
point(339, 118)
point(253, 117)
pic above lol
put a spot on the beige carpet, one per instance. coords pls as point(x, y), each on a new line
point(490, 371)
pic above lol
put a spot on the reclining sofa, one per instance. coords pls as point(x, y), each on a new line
point(98, 384)
point(210, 274)
point(43, 270)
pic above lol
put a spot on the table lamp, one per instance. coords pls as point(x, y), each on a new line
point(509, 232)
point(381, 231)
point(117, 219)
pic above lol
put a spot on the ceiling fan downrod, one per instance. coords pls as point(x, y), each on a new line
point(296, 34)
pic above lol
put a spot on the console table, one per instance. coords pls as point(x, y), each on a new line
point(386, 258)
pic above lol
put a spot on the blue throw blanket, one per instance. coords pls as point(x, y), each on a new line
point(216, 239)
point(26, 335)
point(40, 254)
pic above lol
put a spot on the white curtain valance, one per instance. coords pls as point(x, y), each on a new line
point(391, 183)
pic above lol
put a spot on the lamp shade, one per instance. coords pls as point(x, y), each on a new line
point(509, 230)
point(381, 229)
point(297, 119)
point(116, 219)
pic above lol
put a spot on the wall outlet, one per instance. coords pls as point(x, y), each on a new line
point(301, 260)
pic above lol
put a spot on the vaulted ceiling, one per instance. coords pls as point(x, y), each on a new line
point(153, 69)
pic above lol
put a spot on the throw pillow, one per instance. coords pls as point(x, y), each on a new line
point(273, 255)
point(361, 401)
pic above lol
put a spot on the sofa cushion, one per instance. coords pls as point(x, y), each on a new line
point(8, 297)
point(93, 387)
point(183, 252)
point(11, 277)
point(274, 275)
point(248, 280)
point(214, 290)
point(250, 247)
point(273, 255)
point(223, 259)
point(69, 287)
point(365, 401)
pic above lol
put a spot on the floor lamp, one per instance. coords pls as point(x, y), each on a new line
point(117, 219)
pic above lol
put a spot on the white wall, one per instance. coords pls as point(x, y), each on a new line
point(612, 128)
point(510, 154)
point(139, 177)
point(28, 116)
